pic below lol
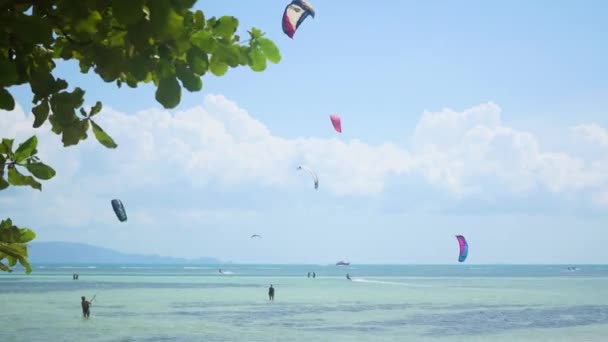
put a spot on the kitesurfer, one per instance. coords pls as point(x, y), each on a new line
point(85, 307)
point(271, 292)
point(348, 276)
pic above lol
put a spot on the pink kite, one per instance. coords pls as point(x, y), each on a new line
point(335, 120)
point(464, 248)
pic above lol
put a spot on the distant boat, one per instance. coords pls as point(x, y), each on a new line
point(342, 263)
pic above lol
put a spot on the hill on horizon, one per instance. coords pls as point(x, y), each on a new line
point(73, 252)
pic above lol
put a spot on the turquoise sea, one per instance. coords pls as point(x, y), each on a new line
point(381, 303)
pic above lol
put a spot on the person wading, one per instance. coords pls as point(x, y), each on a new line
point(85, 307)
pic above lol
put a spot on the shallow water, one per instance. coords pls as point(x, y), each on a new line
point(382, 303)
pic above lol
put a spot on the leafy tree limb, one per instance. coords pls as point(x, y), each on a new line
point(124, 42)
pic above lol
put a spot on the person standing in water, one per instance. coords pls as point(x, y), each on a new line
point(85, 307)
point(308, 274)
point(348, 276)
point(271, 293)
point(314, 275)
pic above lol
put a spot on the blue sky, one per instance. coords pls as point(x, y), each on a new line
point(482, 118)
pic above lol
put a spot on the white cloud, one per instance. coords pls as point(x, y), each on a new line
point(602, 199)
point(472, 150)
point(468, 152)
point(182, 175)
point(593, 133)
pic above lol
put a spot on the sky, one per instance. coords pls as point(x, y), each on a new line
point(487, 119)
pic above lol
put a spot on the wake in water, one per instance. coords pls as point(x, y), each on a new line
point(371, 281)
point(223, 272)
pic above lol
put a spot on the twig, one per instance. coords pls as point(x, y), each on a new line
point(250, 39)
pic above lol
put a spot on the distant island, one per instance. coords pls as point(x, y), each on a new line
point(79, 253)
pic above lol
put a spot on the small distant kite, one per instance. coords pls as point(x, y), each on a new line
point(464, 248)
point(256, 235)
point(119, 210)
point(337, 122)
point(294, 15)
point(314, 176)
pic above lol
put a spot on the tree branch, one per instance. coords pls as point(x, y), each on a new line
point(55, 21)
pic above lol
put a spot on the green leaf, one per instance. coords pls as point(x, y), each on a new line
point(258, 61)
point(41, 113)
point(63, 106)
point(198, 61)
point(95, 109)
point(28, 268)
point(75, 132)
point(4, 224)
point(225, 26)
point(12, 261)
point(84, 65)
point(61, 44)
point(183, 4)
point(256, 33)
point(12, 234)
point(89, 24)
point(166, 69)
point(217, 67)
point(26, 149)
point(131, 82)
point(164, 21)
point(228, 54)
point(189, 80)
point(159, 13)
point(270, 50)
point(55, 126)
point(8, 72)
point(3, 183)
point(6, 100)
point(27, 235)
point(60, 85)
point(102, 136)
point(203, 40)
point(128, 12)
point(169, 92)
point(7, 146)
point(40, 170)
point(13, 249)
point(42, 82)
point(199, 19)
point(16, 178)
point(33, 29)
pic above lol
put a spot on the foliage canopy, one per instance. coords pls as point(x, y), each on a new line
point(165, 42)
